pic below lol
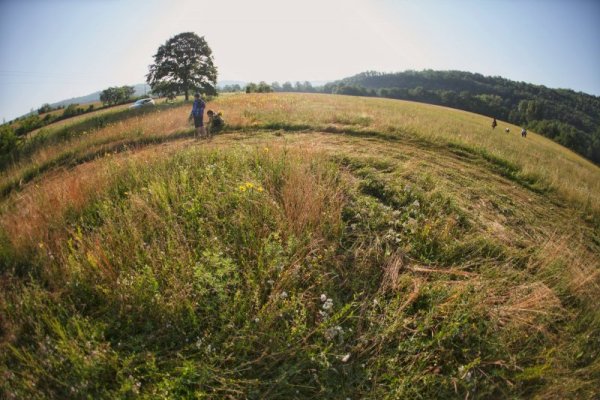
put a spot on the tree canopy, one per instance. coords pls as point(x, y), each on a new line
point(182, 65)
point(116, 95)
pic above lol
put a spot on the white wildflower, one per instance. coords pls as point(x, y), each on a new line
point(328, 304)
point(323, 297)
point(346, 358)
point(283, 295)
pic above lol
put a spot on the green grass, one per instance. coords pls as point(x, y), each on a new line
point(280, 262)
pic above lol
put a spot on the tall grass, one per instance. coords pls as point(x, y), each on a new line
point(382, 263)
point(276, 271)
point(58, 148)
point(575, 178)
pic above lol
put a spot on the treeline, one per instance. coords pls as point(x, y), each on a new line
point(565, 116)
point(263, 87)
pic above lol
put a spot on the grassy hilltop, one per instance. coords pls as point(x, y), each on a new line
point(320, 247)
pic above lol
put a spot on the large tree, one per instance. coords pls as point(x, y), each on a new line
point(183, 64)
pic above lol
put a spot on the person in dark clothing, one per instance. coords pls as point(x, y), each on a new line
point(198, 115)
point(494, 124)
point(215, 122)
point(523, 132)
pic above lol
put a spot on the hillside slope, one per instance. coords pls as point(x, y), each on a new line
point(568, 117)
point(319, 247)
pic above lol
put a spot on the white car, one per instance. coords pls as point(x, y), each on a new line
point(142, 102)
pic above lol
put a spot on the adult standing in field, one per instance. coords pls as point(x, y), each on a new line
point(494, 124)
point(198, 115)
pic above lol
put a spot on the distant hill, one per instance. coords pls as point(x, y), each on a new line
point(140, 89)
point(222, 84)
point(567, 117)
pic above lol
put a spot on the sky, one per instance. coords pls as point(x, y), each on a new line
point(52, 50)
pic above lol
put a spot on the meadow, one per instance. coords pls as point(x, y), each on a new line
point(319, 247)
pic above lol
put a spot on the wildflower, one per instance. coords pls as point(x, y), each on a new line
point(266, 149)
point(242, 188)
point(328, 304)
point(283, 295)
point(331, 333)
point(346, 358)
point(416, 203)
point(323, 297)
point(260, 189)
point(257, 320)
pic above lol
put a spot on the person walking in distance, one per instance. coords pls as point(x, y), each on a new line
point(198, 115)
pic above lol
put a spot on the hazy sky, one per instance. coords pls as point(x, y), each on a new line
point(54, 50)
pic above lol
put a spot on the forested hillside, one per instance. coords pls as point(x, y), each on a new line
point(567, 117)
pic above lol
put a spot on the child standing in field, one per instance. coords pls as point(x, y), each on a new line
point(523, 132)
point(494, 124)
point(198, 115)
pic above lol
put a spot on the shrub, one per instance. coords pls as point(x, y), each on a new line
point(8, 140)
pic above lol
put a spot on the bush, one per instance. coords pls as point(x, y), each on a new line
point(29, 124)
point(8, 140)
point(71, 111)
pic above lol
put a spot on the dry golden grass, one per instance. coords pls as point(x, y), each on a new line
point(78, 118)
point(306, 198)
point(529, 306)
point(577, 179)
point(29, 216)
point(159, 124)
point(567, 256)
